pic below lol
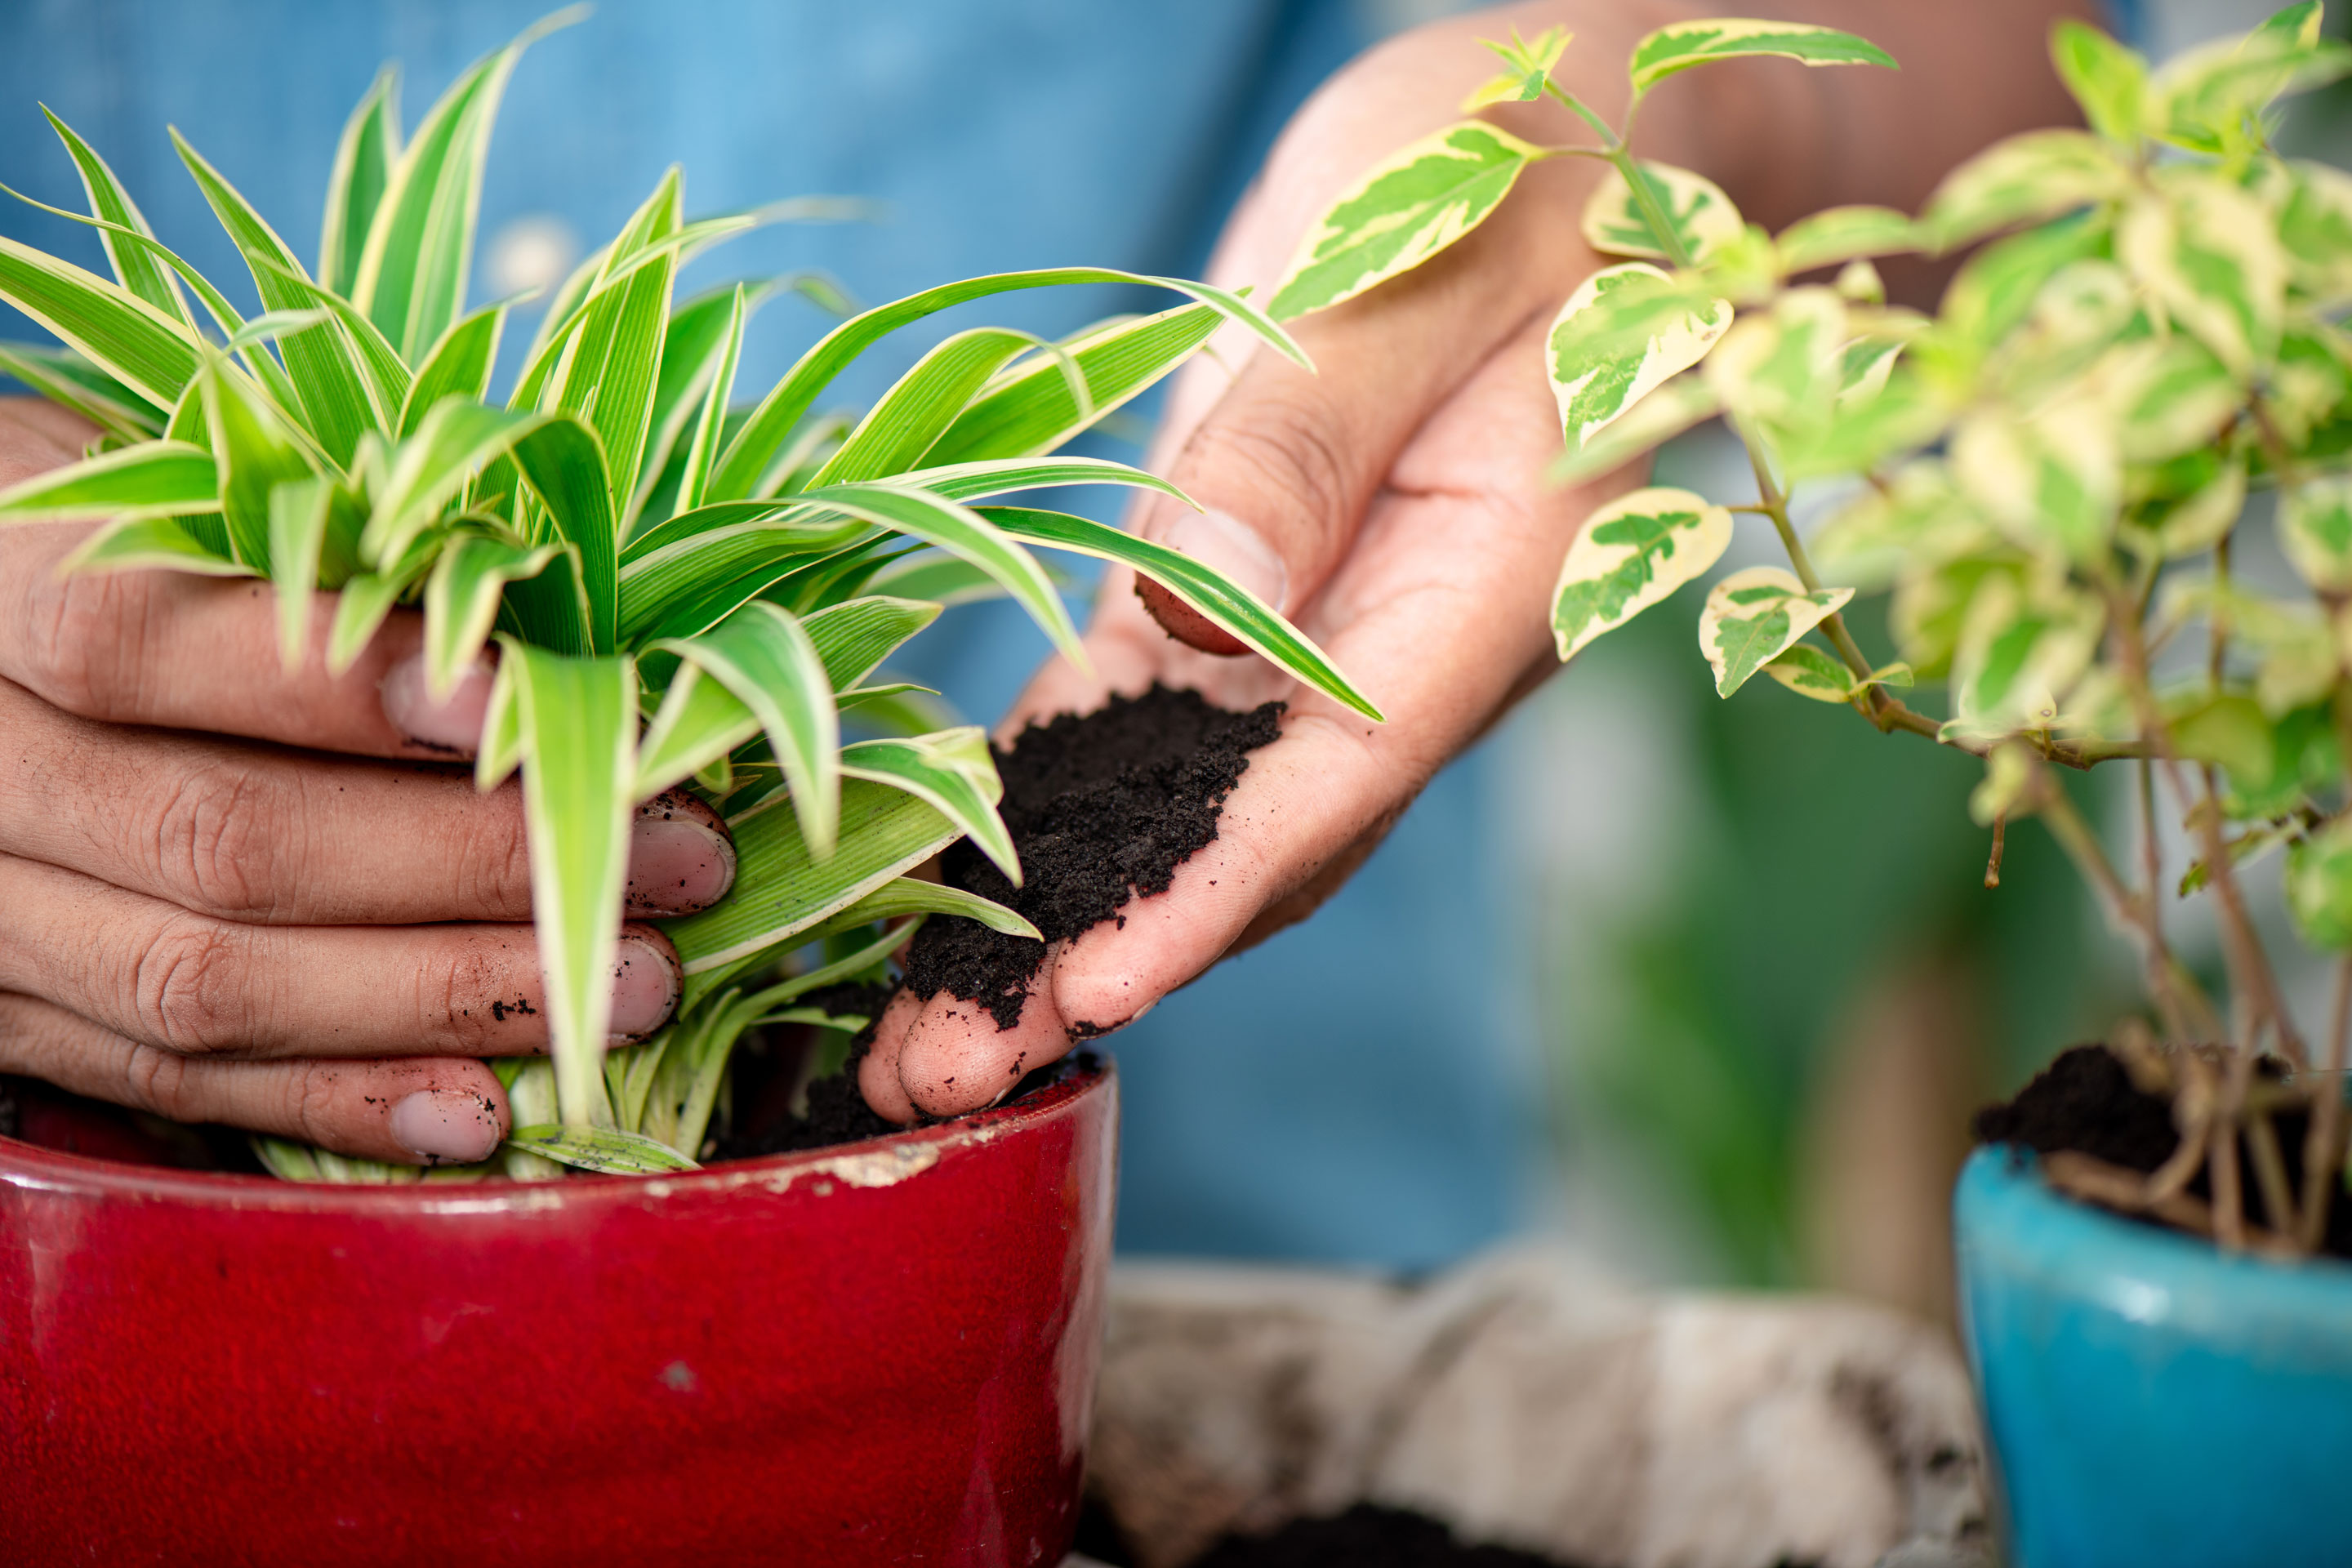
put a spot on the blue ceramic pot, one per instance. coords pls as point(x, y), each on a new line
point(2152, 1403)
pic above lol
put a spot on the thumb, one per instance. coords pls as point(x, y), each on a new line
point(1286, 462)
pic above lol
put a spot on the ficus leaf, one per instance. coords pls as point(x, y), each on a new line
point(1809, 672)
point(1701, 217)
point(2315, 532)
point(1843, 234)
point(1624, 332)
point(1683, 45)
point(1408, 207)
point(2023, 179)
point(1751, 617)
point(2109, 80)
point(1632, 553)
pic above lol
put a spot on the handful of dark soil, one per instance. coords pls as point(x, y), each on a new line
point(1103, 809)
point(2085, 1101)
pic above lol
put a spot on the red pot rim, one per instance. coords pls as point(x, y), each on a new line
point(873, 1161)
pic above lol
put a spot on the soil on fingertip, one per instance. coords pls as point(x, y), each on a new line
point(2085, 1101)
point(1102, 808)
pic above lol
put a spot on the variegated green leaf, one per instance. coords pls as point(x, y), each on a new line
point(951, 770)
point(1408, 207)
point(1623, 334)
point(1249, 619)
point(2211, 98)
point(698, 723)
point(255, 451)
point(1700, 219)
point(1527, 63)
point(782, 890)
point(919, 408)
point(744, 468)
point(1754, 616)
point(577, 721)
point(322, 364)
point(144, 544)
point(2023, 179)
point(1632, 553)
point(2315, 532)
point(2054, 479)
point(458, 366)
point(155, 478)
point(1779, 373)
point(2211, 253)
point(1683, 45)
point(154, 354)
point(763, 656)
point(364, 158)
point(298, 510)
point(1843, 234)
point(135, 267)
point(2020, 655)
point(1667, 413)
point(67, 379)
point(2319, 887)
point(689, 584)
point(1809, 672)
point(1030, 407)
point(709, 427)
point(2315, 230)
point(606, 1150)
point(914, 896)
point(412, 273)
point(2109, 80)
point(461, 601)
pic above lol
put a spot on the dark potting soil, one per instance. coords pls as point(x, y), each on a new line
point(2086, 1101)
point(1103, 808)
point(1364, 1537)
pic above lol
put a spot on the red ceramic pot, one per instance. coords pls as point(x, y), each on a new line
point(878, 1353)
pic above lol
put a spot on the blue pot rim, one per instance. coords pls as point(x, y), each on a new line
point(2010, 1222)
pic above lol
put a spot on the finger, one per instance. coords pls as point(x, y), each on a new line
point(202, 653)
point(252, 833)
point(878, 1069)
point(424, 1111)
point(954, 1057)
point(187, 983)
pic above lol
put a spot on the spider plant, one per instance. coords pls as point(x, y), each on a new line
point(679, 591)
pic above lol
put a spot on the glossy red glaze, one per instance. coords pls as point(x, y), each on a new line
point(881, 1353)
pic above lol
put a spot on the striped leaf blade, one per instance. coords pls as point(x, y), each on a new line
point(1032, 407)
point(459, 364)
point(954, 773)
point(606, 1150)
point(577, 720)
point(154, 354)
point(255, 451)
point(322, 364)
point(764, 657)
point(746, 463)
point(1250, 619)
point(461, 600)
point(921, 404)
point(710, 425)
point(364, 159)
point(151, 543)
point(154, 479)
point(67, 379)
point(135, 267)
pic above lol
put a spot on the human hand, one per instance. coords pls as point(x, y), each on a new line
point(199, 920)
point(1394, 504)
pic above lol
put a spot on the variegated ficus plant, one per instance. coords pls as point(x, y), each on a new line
point(2052, 477)
point(679, 591)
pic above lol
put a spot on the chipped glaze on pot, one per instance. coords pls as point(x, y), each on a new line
point(879, 1353)
point(2151, 1402)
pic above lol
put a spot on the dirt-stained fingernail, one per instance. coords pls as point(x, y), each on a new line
point(450, 725)
point(680, 857)
point(445, 1125)
point(645, 983)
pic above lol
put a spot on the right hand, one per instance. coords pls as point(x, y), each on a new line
point(226, 929)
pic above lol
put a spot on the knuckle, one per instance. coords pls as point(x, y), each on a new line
point(496, 856)
point(187, 987)
point(461, 993)
point(83, 635)
point(216, 837)
point(311, 1101)
point(158, 1081)
point(1282, 446)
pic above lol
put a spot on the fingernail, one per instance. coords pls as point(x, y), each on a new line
point(453, 724)
point(1232, 548)
point(445, 1124)
point(644, 986)
point(680, 859)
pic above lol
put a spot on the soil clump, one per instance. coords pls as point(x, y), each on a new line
point(1103, 808)
point(2086, 1101)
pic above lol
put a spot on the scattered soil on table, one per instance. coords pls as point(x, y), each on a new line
point(1364, 1537)
point(1103, 809)
point(2086, 1101)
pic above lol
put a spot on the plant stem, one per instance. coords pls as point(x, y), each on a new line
point(2229, 1202)
point(1775, 505)
point(2323, 1147)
